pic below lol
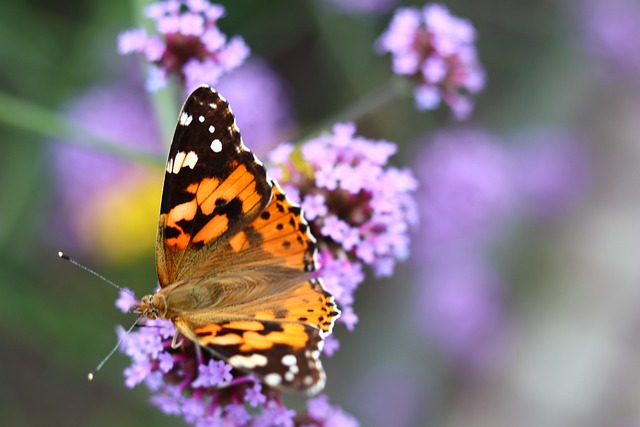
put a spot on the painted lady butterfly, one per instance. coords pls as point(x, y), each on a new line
point(234, 255)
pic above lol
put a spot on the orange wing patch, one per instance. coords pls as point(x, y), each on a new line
point(283, 232)
point(208, 195)
point(213, 229)
point(253, 335)
point(240, 183)
point(312, 305)
point(292, 335)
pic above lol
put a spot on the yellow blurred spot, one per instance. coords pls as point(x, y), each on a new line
point(119, 223)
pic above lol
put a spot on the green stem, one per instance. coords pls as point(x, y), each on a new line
point(360, 108)
point(33, 118)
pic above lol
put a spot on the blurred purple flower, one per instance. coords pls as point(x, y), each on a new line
point(460, 305)
point(261, 104)
point(437, 51)
point(87, 181)
point(364, 6)
point(189, 46)
point(368, 207)
point(320, 413)
point(473, 188)
point(126, 301)
point(611, 33)
point(393, 393)
point(467, 188)
point(467, 198)
point(554, 172)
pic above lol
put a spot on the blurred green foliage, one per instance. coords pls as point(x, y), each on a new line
point(56, 322)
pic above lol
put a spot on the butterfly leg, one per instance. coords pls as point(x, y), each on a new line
point(175, 343)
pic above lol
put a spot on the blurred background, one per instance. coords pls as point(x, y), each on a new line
point(537, 325)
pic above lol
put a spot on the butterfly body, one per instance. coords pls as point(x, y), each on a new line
point(234, 256)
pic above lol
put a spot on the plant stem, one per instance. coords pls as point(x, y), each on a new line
point(33, 118)
point(360, 108)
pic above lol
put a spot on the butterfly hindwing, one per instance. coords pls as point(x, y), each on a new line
point(279, 337)
point(213, 187)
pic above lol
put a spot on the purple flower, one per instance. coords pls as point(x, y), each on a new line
point(554, 172)
point(91, 185)
point(468, 188)
point(261, 104)
point(468, 196)
point(361, 211)
point(126, 301)
point(189, 45)
point(460, 305)
point(611, 34)
point(253, 396)
point(216, 372)
point(321, 413)
point(436, 50)
point(393, 394)
point(331, 345)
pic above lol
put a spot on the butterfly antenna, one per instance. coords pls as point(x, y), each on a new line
point(98, 275)
point(93, 373)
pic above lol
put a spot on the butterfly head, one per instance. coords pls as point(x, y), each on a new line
point(152, 306)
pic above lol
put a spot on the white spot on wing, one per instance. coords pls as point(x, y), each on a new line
point(191, 159)
point(212, 129)
point(201, 119)
point(272, 379)
point(289, 360)
point(181, 160)
point(289, 376)
point(177, 162)
point(248, 362)
point(216, 145)
point(185, 119)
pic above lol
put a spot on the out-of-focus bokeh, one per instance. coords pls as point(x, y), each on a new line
point(520, 302)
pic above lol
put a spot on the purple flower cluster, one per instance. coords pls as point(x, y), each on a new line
point(190, 46)
point(473, 191)
point(190, 383)
point(436, 50)
point(467, 186)
point(320, 413)
point(554, 172)
point(610, 33)
point(360, 210)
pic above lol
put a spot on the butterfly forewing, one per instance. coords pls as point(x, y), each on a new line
point(213, 185)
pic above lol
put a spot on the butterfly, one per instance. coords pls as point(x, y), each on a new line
point(234, 255)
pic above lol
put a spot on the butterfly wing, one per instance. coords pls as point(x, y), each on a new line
point(275, 326)
point(278, 338)
point(233, 254)
point(213, 187)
